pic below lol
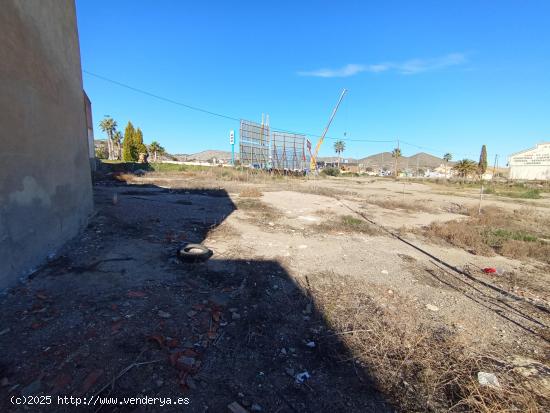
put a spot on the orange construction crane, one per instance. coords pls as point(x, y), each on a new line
point(313, 163)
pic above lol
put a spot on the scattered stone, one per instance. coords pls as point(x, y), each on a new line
point(487, 379)
point(164, 314)
point(432, 307)
point(290, 371)
point(236, 408)
point(186, 362)
point(190, 383)
point(310, 344)
point(384, 272)
point(235, 316)
point(256, 407)
point(301, 377)
point(32, 388)
point(219, 299)
point(191, 313)
point(308, 309)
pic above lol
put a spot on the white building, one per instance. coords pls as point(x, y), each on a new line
point(531, 164)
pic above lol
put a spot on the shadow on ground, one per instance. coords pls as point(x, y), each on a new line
point(115, 314)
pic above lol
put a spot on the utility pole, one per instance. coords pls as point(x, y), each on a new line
point(232, 142)
point(495, 166)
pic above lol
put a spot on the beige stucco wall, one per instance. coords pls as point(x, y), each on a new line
point(532, 164)
point(45, 183)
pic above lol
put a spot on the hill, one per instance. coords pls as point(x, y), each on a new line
point(385, 160)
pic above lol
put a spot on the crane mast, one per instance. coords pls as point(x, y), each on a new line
point(313, 163)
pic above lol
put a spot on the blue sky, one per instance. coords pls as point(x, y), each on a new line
point(441, 75)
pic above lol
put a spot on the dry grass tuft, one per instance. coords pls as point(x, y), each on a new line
point(518, 234)
point(250, 192)
point(417, 367)
point(347, 223)
point(417, 206)
point(259, 211)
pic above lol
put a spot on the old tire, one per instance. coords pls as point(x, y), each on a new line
point(194, 253)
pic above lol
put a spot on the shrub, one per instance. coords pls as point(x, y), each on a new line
point(331, 171)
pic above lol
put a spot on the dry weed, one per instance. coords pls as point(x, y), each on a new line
point(418, 367)
point(416, 206)
point(259, 211)
point(347, 223)
point(250, 192)
point(519, 234)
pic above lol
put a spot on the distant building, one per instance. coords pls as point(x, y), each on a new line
point(531, 164)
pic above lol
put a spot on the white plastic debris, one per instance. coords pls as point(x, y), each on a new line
point(310, 344)
point(301, 377)
point(487, 379)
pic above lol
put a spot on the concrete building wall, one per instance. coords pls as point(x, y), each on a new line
point(45, 182)
point(531, 164)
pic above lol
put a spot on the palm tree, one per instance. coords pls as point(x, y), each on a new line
point(108, 125)
point(447, 157)
point(117, 141)
point(465, 168)
point(396, 153)
point(156, 149)
point(339, 147)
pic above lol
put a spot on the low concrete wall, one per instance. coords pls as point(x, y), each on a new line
point(45, 182)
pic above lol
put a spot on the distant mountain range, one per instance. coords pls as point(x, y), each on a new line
point(385, 160)
point(206, 156)
point(377, 161)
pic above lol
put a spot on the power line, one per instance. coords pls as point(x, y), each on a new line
point(232, 118)
point(221, 115)
point(135, 89)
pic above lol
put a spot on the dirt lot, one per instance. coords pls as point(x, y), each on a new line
point(344, 279)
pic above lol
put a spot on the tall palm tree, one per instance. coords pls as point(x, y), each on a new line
point(117, 142)
point(396, 153)
point(156, 149)
point(339, 147)
point(447, 157)
point(465, 168)
point(108, 125)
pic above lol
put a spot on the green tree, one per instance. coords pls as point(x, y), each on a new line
point(128, 144)
point(108, 125)
point(156, 149)
point(139, 146)
point(482, 165)
point(465, 168)
point(447, 157)
point(396, 153)
point(339, 147)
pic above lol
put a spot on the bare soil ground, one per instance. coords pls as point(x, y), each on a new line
point(340, 278)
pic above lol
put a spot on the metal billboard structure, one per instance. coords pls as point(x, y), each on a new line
point(288, 151)
point(254, 144)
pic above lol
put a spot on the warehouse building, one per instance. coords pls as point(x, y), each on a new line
point(531, 164)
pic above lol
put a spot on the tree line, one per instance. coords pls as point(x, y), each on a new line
point(128, 147)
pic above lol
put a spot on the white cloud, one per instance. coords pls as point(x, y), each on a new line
point(407, 67)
